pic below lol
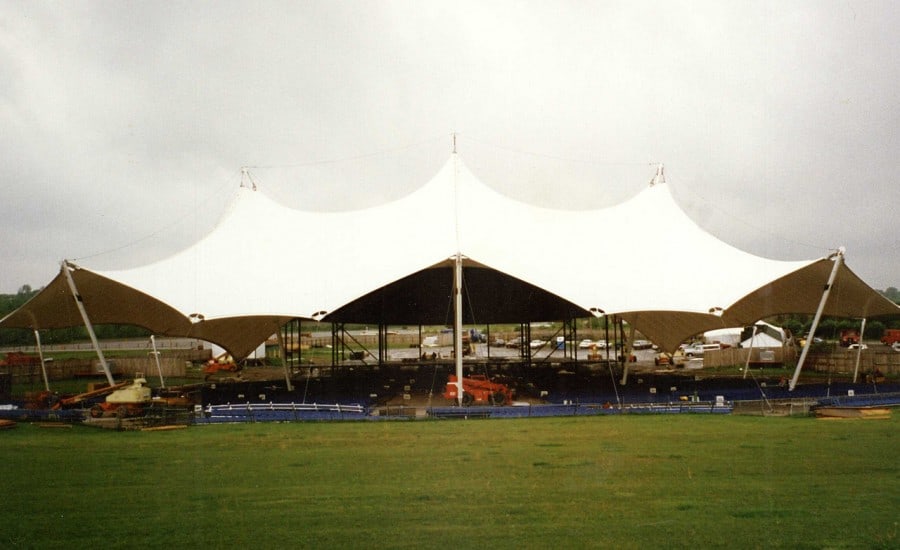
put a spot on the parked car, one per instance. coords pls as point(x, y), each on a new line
point(857, 346)
point(642, 344)
point(514, 343)
point(430, 342)
point(534, 344)
point(896, 346)
point(587, 343)
point(700, 349)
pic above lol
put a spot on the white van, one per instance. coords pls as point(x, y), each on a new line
point(700, 349)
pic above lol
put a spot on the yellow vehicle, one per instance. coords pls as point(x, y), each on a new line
point(126, 401)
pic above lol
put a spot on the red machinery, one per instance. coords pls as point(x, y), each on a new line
point(123, 400)
point(215, 366)
point(890, 336)
point(849, 336)
point(478, 389)
point(15, 358)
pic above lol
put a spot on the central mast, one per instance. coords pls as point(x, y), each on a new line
point(457, 325)
point(457, 284)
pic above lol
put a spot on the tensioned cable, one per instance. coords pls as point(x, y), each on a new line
point(755, 381)
point(621, 163)
point(555, 157)
point(180, 219)
point(215, 191)
point(373, 154)
point(433, 380)
point(456, 203)
point(465, 286)
point(613, 379)
point(449, 308)
point(715, 206)
point(306, 387)
point(363, 156)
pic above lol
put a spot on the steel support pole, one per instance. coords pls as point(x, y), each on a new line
point(284, 362)
point(606, 336)
point(37, 338)
point(750, 352)
point(838, 258)
point(87, 322)
point(862, 331)
point(162, 383)
point(627, 346)
point(457, 326)
point(337, 346)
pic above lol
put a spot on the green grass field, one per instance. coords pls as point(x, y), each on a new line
point(615, 482)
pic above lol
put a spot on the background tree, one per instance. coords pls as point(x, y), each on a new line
point(891, 293)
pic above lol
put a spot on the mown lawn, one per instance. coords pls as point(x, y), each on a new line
point(616, 482)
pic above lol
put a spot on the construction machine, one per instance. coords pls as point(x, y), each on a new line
point(126, 401)
point(222, 363)
point(478, 389)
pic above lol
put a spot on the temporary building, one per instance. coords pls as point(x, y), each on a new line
point(725, 336)
point(762, 340)
point(265, 264)
point(761, 335)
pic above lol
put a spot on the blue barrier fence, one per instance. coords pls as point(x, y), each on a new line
point(280, 412)
point(869, 399)
point(43, 415)
point(580, 409)
point(291, 412)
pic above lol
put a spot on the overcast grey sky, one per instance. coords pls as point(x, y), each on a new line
point(124, 125)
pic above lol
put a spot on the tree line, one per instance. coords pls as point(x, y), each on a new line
point(25, 337)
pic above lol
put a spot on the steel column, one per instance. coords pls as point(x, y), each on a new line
point(838, 257)
point(87, 322)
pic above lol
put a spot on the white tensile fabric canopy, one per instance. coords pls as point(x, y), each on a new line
point(265, 264)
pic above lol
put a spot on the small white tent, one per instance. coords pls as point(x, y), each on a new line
point(724, 336)
point(767, 336)
point(762, 340)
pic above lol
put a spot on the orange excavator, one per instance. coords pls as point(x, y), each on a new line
point(478, 389)
point(222, 363)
